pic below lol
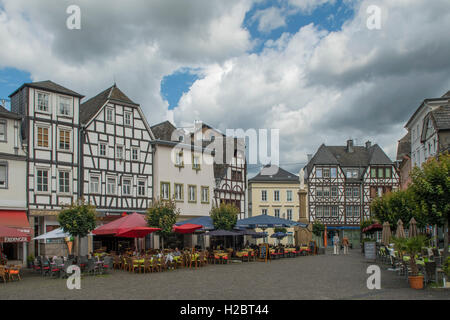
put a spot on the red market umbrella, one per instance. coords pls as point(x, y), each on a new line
point(187, 228)
point(11, 235)
point(137, 232)
point(125, 225)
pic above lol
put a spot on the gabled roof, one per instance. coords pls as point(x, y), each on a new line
point(360, 157)
point(163, 130)
point(441, 117)
point(89, 108)
point(445, 97)
point(280, 176)
point(8, 114)
point(49, 86)
point(404, 147)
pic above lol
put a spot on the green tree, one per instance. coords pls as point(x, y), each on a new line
point(318, 228)
point(224, 217)
point(431, 189)
point(279, 229)
point(163, 214)
point(397, 205)
point(78, 220)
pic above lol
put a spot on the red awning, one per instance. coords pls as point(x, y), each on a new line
point(11, 235)
point(373, 227)
point(136, 232)
point(187, 228)
point(16, 220)
point(124, 225)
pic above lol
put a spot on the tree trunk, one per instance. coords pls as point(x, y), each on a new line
point(79, 246)
point(445, 255)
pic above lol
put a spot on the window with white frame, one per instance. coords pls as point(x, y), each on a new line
point(126, 187)
point(43, 102)
point(319, 192)
point(42, 180)
point(178, 192)
point(264, 212)
point(64, 139)
point(318, 173)
point(349, 211)
point(289, 214)
point(319, 211)
point(3, 126)
point(165, 190)
point(179, 159)
point(192, 193)
point(326, 211)
point(102, 149)
point(42, 137)
point(111, 186)
point(326, 192)
point(333, 172)
point(205, 194)
point(109, 115)
point(355, 192)
point(65, 106)
point(127, 118)
point(119, 152)
point(356, 211)
point(276, 195)
point(95, 184)
point(141, 188)
point(64, 181)
point(334, 211)
point(3, 175)
point(196, 163)
point(334, 191)
point(277, 213)
point(289, 195)
point(263, 195)
point(326, 172)
point(135, 154)
point(348, 192)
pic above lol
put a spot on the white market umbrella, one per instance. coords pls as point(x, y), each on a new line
point(54, 234)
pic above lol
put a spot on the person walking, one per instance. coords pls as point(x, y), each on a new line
point(336, 243)
point(345, 243)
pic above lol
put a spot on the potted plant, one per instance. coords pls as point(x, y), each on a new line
point(30, 260)
point(412, 247)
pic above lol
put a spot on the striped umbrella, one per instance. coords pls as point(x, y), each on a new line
point(413, 228)
point(400, 232)
point(386, 233)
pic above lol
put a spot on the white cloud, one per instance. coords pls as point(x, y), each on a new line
point(269, 19)
point(325, 87)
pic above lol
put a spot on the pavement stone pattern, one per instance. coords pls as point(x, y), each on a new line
point(321, 277)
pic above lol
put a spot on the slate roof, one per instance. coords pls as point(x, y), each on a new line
point(404, 147)
point(49, 86)
point(89, 108)
point(281, 176)
point(8, 114)
point(360, 157)
point(163, 130)
point(441, 117)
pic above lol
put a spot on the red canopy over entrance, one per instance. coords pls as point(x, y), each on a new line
point(130, 226)
point(373, 227)
point(11, 235)
point(15, 220)
point(187, 228)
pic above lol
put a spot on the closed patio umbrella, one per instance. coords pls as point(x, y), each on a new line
point(413, 228)
point(400, 232)
point(386, 233)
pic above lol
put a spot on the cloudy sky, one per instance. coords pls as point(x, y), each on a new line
point(311, 68)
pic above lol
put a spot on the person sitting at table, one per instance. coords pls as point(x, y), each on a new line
point(177, 252)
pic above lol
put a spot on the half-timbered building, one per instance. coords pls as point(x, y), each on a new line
point(117, 154)
point(50, 135)
point(230, 167)
point(343, 180)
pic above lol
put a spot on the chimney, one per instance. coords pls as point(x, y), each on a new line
point(350, 145)
point(368, 144)
point(309, 157)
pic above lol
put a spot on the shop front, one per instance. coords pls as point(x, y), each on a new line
point(15, 251)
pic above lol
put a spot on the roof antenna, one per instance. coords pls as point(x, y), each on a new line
point(114, 78)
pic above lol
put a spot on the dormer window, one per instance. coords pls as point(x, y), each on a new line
point(64, 106)
point(319, 173)
point(43, 102)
